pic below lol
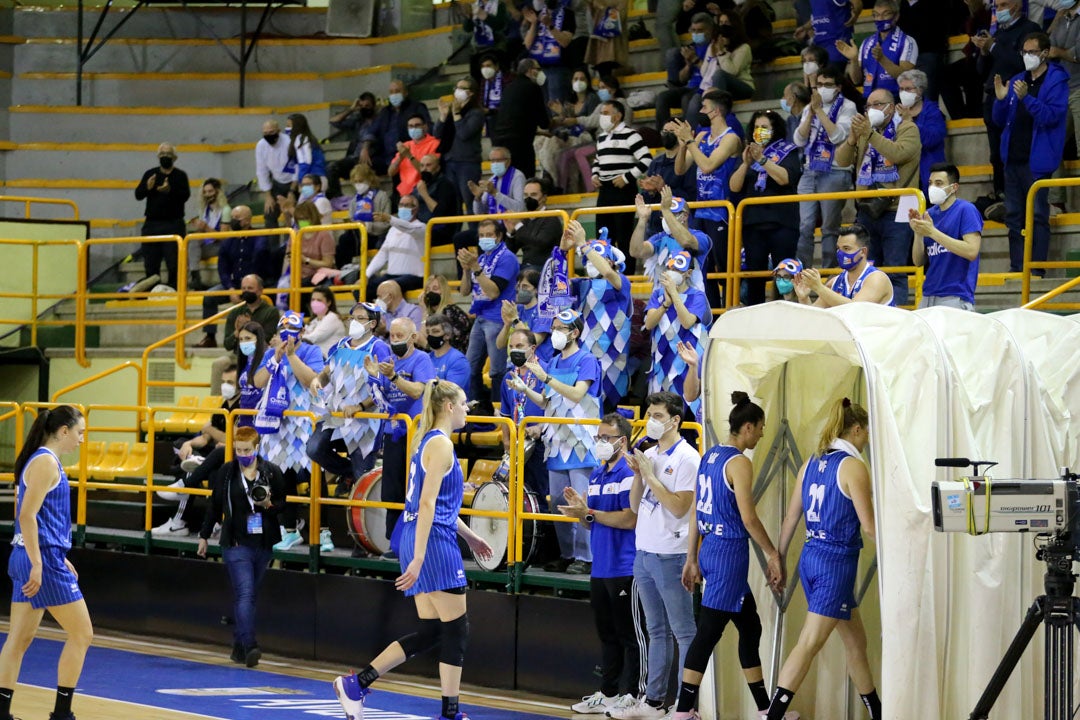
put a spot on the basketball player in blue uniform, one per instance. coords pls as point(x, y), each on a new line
point(726, 517)
point(42, 576)
point(432, 570)
point(833, 490)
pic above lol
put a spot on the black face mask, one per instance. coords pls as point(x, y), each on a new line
point(249, 297)
point(166, 163)
point(532, 204)
point(670, 141)
point(427, 176)
point(235, 225)
point(518, 357)
point(436, 341)
point(432, 299)
point(366, 112)
point(399, 348)
point(703, 120)
point(271, 138)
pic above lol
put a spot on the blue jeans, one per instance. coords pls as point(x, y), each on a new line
point(815, 182)
point(573, 537)
point(669, 610)
point(890, 246)
point(482, 345)
point(246, 567)
point(319, 448)
point(460, 173)
point(1018, 180)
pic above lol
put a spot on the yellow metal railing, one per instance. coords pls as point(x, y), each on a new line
point(144, 379)
point(295, 259)
point(35, 295)
point(13, 412)
point(1042, 302)
point(28, 203)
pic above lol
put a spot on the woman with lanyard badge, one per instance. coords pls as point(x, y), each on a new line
point(834, 492)
point(432, 569)
point(715, 153)
point(770, 167)
point(41, 575)
point(525, 315)
point(726, 518)
point(676, 313)
point(605, 303)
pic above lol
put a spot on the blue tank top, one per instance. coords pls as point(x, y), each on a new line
point(448, 502)
point(714, 185)
point(717, 511)
point(54, 517)
point(831, 521)
point(840, 285)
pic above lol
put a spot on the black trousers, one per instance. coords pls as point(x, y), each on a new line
point(612, 602)
point(761, 241)
point(993, 136)
point(275, 212)
point(335, 172)
point(156, 252)
point(393, 477)
point(620, 226)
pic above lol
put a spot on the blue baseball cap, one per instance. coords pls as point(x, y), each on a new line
point(790, 265)
point(680, 261)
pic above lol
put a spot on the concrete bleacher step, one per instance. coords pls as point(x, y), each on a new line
point(145, 326)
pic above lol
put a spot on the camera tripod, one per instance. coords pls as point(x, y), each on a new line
point(1058, 611)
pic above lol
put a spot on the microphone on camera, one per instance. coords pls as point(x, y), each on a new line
point(953, 462)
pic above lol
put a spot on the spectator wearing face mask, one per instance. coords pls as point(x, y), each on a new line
point(304, 149)
point(406, 164)
point(439, 300)
point(684, 66)
point(401, 256)
point(400, 389)
point(450, 364)
point(317, 249)
point(860, 281)
point(366, 201)
point(503, 192)
point(380, 143)
point(310, 191)
point(534, 237)
point(492, 81)
point(661, 174)
point(603, 299)
point(214, 211)
point(238, 258)
point(878, 62)
point(392, 304)
point(459, 129)
point(796, 97)
point(927, 116)
point(726, 66)
point(524, 314)
point(344, 386)
point(324, 327)
point(621, 158)
point(438, 199)
point(784, 279)
point(947, 240)
point(770, 167)
point(522, 112)
point(274, 172)
point(676, 313)
point(354, 121)
point(166, 189)
point(566, 129)
point(675, 236)
point(516, 405)
point(486, 22)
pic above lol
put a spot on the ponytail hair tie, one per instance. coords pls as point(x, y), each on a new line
point(846, 402)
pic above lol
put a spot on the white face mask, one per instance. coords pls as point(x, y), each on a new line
point(876, 117)
point(357, 329)
point(228, 390)
point(655, 429)
point(591, 271)
point(461, 95)
point(675, 276)
point(937, 195)
point(1032, 61)
point(488, 72)
point(606, 123)
point(810, 68)
point(603, 450)
point(827, 95)
point(361, 188)
point(541, 78)
point(381, 304)
point(579, 86)
point(663, 224)
point(908, 98)
point(559, 339)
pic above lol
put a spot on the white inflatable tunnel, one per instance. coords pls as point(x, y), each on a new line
point(939, 609)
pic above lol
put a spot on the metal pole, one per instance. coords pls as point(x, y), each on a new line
point(79, 50)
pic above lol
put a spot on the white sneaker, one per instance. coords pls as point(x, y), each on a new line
point(637, 710)
point(351, 696)
point(193, 461)
point(171, 496)
point(595, 704)
point(172, 528)
point(789, 715)
point(216, 534)
point(289, 540)
point(326, 542)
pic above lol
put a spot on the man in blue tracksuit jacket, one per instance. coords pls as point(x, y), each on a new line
point(1032, 110)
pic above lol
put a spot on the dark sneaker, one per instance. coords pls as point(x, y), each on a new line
point(579, 567)
point(237, 653)
point(558, 565)
point(252, 656)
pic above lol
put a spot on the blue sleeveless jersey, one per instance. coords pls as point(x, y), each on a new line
point(717, 511)
point(448, 503)
point(54, 517)
point(714, 185)
point(831, 521)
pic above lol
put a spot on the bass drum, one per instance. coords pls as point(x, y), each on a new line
point(496, 497)
point(367, 525)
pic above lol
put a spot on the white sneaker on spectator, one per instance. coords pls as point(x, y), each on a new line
point(789, 715)
point(193, 461)
point(326, 542)
point(217, 532)
point(597, 703)
point(288, 540)
point(171, 496)
point(636, 710)
point(172, 528)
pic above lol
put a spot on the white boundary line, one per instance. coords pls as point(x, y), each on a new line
point(133, 704)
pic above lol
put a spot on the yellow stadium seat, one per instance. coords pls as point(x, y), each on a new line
point(198, 420)
point(113, 460)
point(176, 422)
point(95, 451)
point(134, 465)
point(482, 470)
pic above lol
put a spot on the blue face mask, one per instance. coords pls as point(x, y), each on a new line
point(396, 99)
point(246, 460)
point(487, 244)
point(405, 213)
point(697, 38)
point(498, 169)
point(247, 348)
point(307, 192)
point(416, 133)
point(784, 285)
point(785, 105)
point(1004, 16)
point(604, 94)
point(847, 260)
point(887, 25)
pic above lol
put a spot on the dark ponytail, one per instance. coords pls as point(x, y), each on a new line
point(48, 423)
point(745, 411)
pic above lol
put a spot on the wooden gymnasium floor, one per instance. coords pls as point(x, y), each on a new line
point(144, 678)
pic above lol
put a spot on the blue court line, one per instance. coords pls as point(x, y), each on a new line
point(223, 692)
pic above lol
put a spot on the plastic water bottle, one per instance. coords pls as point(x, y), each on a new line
point(502, 473)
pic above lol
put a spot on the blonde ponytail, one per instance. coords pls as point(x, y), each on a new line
point(843, 416)
point(436, 392)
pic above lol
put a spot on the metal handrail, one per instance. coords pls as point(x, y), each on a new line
point(29, 201)
point(1029, 238)
point(296, 261)
point(34, 296)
